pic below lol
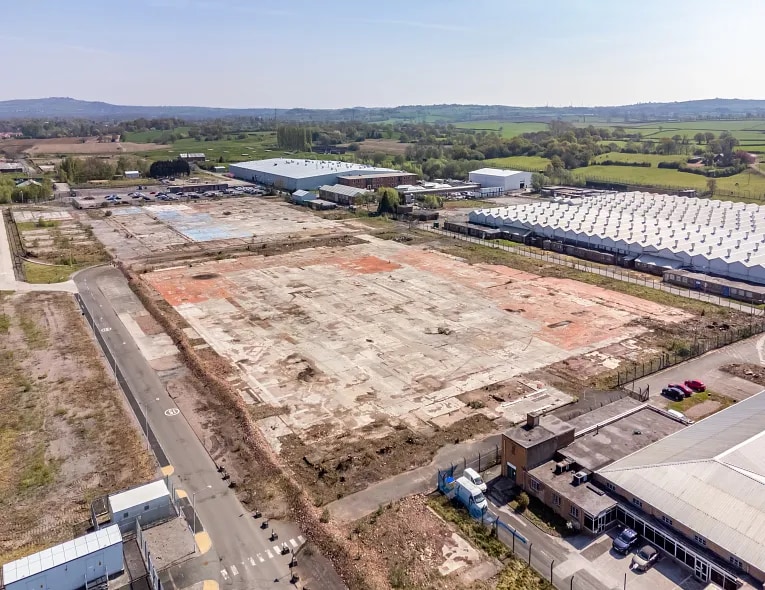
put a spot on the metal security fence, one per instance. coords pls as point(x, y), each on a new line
point(481, 462)
point(666, 360)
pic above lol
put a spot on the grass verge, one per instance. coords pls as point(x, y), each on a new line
point(698, 398)
point(544, 518)
point(44, 274)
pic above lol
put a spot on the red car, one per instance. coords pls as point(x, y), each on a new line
point(695, 385)
point(687, 391)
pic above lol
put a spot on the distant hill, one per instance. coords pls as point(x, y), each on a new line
point(694, 109)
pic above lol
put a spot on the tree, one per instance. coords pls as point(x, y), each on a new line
point(709, 136)
point(165, 168)
point(523, 502)
point(431, 202)
point(389, 200)
point(711, 186)
point(378, 158)
point(538, 181)
point(699, 138)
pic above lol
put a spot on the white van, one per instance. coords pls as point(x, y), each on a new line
point(472, 476)
point(470, 495)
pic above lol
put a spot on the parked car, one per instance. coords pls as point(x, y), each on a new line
point(695, 385)
point(673, 394)
point(645, 557)
point(687, 392)
point(624, 541)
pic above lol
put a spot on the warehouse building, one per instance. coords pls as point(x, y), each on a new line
point(293, 174)
point(660, 232)
point(699, 494)
point(69, 566)
point(341, 194)
point(507, 180)
point(374, 181)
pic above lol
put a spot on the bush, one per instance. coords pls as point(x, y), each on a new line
point(671, 165)
point(620, 163)
point(324, 518)
point(523, 502)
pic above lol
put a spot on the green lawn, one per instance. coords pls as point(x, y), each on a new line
point(527, 163)
point(150, 136)
point(697, 398)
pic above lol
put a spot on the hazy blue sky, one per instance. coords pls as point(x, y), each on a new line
point(331, 53)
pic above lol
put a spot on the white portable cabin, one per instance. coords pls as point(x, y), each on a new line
point(148, 503)
point(68, 566)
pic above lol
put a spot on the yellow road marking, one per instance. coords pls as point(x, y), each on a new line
point(181, 493)
point(210, 585)
point(203, 541)
point(168, 470)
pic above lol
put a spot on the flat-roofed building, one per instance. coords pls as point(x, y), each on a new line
point(376, 180)
point(341, 194)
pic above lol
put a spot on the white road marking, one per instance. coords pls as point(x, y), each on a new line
point(293, 542)
point(172, 412)
point(268, 551)
point(224, 573)
point(252, 561)
point(260, 558)
point(277, 550)
point(301, 538)
point(234, 571)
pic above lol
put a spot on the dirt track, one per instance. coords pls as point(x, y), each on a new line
point(74, 145)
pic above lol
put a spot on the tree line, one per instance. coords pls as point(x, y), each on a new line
point(294, 138)
point(166, 168)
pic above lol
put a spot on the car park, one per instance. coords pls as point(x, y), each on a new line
point(695, 385)
point(624, 541)
point(687, 392)
point(644, 558)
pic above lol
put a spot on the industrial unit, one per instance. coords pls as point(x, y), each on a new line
point(341, 194)
point(507, 180)
point(68, 566)
point(293, 174)
point(696, 492)
point(377, 180)
point(663, 232)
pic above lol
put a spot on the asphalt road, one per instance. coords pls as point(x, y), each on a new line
point(241, 554)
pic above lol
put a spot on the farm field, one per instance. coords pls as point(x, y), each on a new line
point(528, 163)
point(747, 184)
point(508, 128)
point(653, 159)
point(73, 145)
point(66, 435)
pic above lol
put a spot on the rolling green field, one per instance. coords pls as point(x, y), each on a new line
point(254, 146)
point(151, 135)
point(526, 163)
point(654, 159)
point(509, 128)
point(747, 184)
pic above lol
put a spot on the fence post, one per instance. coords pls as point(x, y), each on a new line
point(479, 461)
point(530, 546)
point(552, 563)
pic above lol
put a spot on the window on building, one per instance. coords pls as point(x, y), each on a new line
point(700, 540)
point(637, 502)
point(574, 511)
point(736, 561)
point(556, 499)
point(666, 520)
point(126, 515)
point(146, 507)
point(534, 485)
point(610, 486)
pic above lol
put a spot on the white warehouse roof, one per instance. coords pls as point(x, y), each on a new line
point(300, 168)
point(717, 237)
point(499, 172)
point(60, 554)
point(138, 495)
point(709, 476)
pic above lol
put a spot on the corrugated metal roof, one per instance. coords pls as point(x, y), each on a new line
point(138, 496)
point(342, 189)
point(709, 477)
point(301, 168)
point(60, 554)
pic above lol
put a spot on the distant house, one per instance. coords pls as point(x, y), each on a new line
point(27, 183)
point(10, 167)
point(219, 168)
point(193, 157)
point(132, 174)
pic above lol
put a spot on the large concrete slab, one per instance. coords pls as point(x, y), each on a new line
point(344, 337)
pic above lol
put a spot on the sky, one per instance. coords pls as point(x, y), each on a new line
point(345, 53)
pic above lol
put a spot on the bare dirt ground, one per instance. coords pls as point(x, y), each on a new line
point(385, 146)
point(74, 145)
point(65, 435)
point(748, 371)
